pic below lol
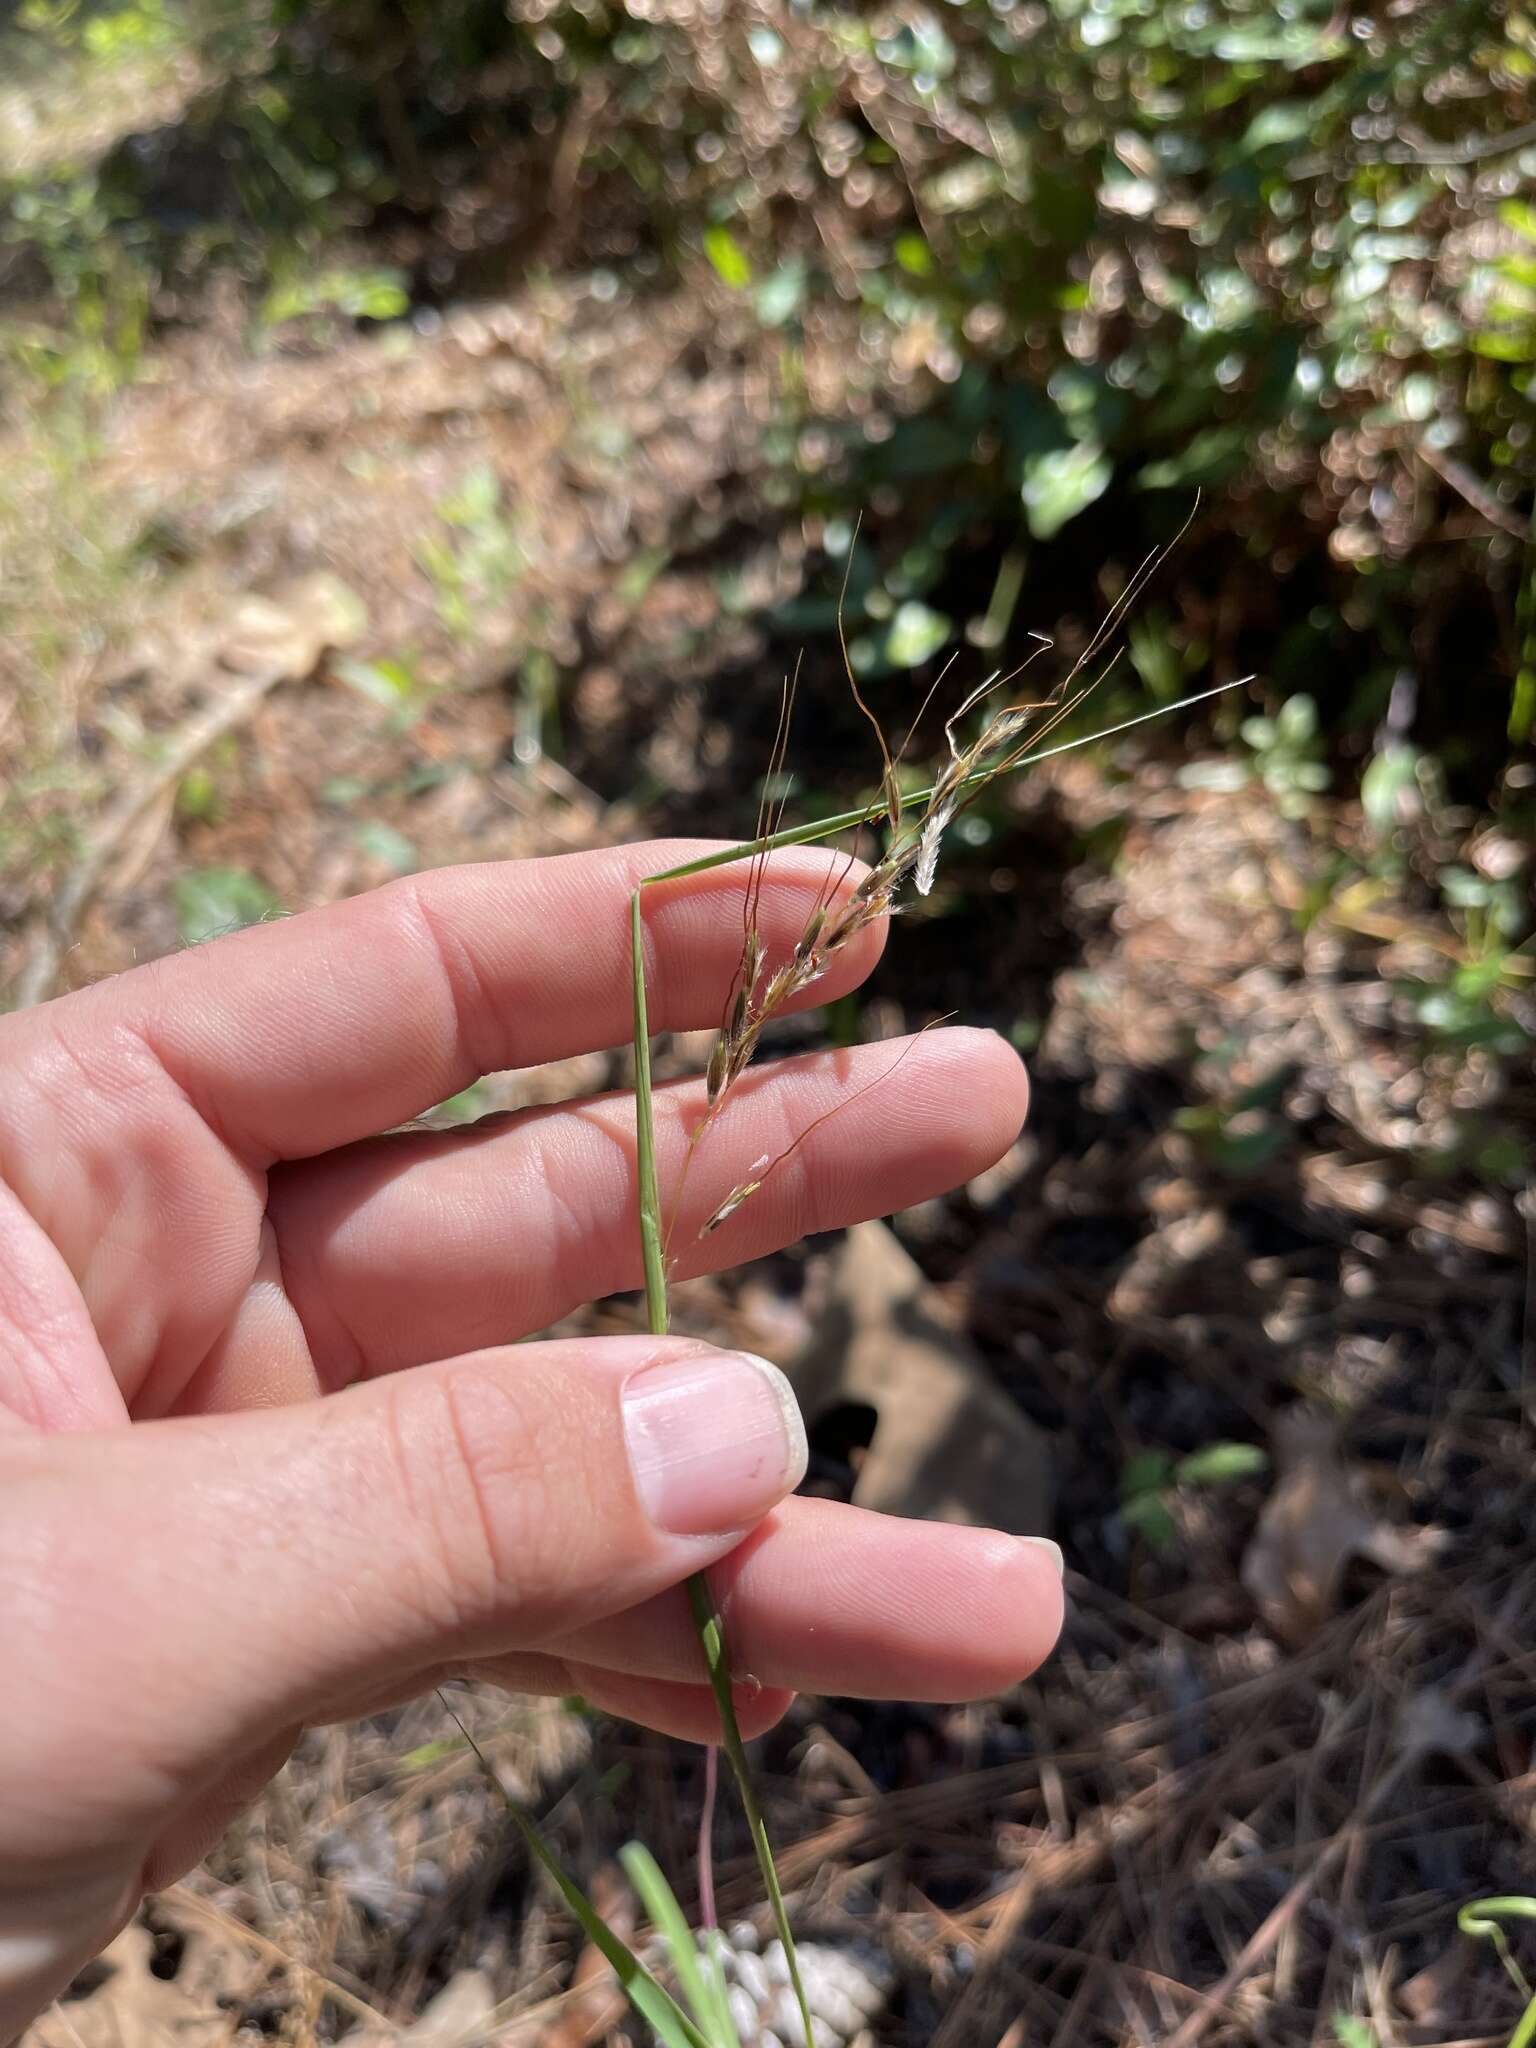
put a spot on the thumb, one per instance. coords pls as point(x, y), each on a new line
point(203, 1585)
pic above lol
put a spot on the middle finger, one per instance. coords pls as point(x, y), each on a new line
point(427, 1244)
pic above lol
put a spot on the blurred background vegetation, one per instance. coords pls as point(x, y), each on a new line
point(1067, 264)
point(493, 394)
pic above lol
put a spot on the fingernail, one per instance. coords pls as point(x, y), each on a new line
point(1052, 1551)
point(715, 1440)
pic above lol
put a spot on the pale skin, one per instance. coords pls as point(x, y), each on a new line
point(271, 1452)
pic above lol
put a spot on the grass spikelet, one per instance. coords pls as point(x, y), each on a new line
point(768, 1164)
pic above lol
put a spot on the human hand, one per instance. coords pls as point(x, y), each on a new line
point(267, 1456)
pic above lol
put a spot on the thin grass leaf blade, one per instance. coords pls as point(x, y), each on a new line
point(711, 1634)
point(670, 1922)
point(654, 2003)
point(723, 2022)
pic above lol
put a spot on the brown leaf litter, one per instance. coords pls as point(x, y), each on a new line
point(948, 1443)
point(1318, 1520)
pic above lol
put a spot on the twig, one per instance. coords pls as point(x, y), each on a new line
point(1469, 486)
point(1471, 149)
point(1267, 1933)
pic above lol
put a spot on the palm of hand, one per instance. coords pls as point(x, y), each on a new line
point(201, 1232)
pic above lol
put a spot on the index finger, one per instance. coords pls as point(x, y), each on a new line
point(293, 1038)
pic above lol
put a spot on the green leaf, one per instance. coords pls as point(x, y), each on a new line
point(1296, 721)
point(1234, 1142)
point(915, 633)
point(666, 1916)
point(388, 684)
point(781, 294)
point(383, 843)
point(1148, 1515)
point(356, 294)
point(1145, 1472)
point(1512, 345)
point(1061, 483)
point(477, 500)
point(728, 258)
point(1392, 771)
point(1522, 703)
point(1296, 43)
point(197, 795)
point(214, 900)
point(1478, 1916)
point(914, 255)
point(1481, 1917)
point(428, 1753)
point(1154, 656)
point(1464, 889)
point(1352, 2032)
point(1286, 121)
point(1221, 1465)
point(1209, 457)
point(650, 1999)
point(1479, 978)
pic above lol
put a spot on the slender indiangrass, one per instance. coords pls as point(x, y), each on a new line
point(997, 750)
point(1006, 742)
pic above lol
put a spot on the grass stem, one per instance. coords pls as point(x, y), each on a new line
point(706, 1616)
point(651, 1246)
point(846, 821)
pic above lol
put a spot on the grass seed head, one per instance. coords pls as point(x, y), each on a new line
point(719, 1059)
point(743, 1191)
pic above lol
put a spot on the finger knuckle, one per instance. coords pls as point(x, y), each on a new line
point(490, 1522)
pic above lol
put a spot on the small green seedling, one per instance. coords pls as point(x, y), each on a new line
point(1481, 1919)
point(1350, 2031)
point(700, 1977)
point(1287, 755)
point(1151, 1478)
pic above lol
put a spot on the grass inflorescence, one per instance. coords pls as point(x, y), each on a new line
point(1007, 739)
